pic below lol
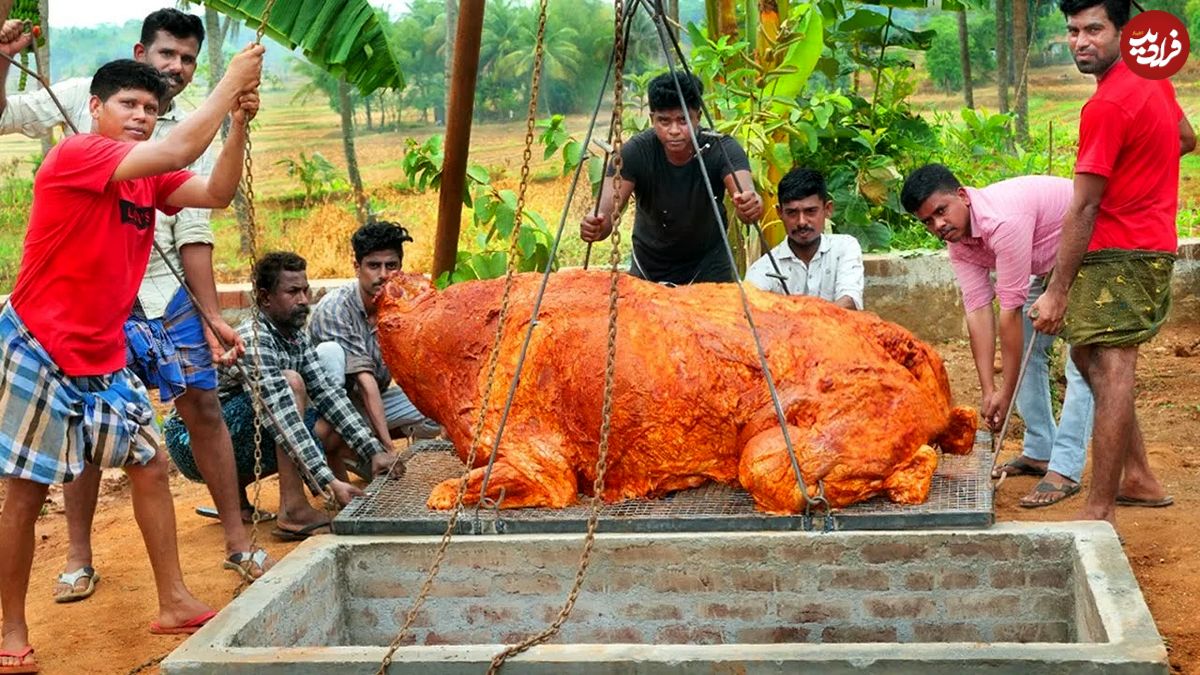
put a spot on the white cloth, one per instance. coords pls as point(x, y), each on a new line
point(836, 270)
point(35, 115)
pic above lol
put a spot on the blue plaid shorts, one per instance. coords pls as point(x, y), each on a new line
point(52, 423)
point(170, 354)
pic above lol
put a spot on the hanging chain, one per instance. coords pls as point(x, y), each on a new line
point(256, 401)
point(610, 367)
point(493, 359)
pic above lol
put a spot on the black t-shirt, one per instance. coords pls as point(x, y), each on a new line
point(676, 237)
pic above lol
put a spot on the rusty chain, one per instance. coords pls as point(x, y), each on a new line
point(494, 357)
point(610, 366)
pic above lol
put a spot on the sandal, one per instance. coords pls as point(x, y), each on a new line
point(25, 666)
point(244, 562)
point(288, 534)
point(1017, 466)
point(191, 626)
point(1057, 494)
point(72, 579)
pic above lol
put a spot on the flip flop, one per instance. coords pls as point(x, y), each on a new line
point(1017, 466)
point(288, 534)
point(1147, 503)
point(210, 512)
point(23, 667)
point(72, 578)
point(238, 563)
point(191, 626)
point(1043, 488)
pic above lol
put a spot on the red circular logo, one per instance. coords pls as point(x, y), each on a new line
point(1155, 44)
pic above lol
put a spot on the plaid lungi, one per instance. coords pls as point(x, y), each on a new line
point(170, 354)
point(51, 423)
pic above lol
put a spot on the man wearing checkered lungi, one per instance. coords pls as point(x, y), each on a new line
point(169, 347)
point(66, 397)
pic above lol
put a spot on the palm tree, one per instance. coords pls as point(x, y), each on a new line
point(964, 57)
point(1020, 20)
point(1002, 54)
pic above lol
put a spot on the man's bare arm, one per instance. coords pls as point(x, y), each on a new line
point(1187, 136)
point(1047, 313)
point(216, 190)
point(13, 39)
point(372, 399)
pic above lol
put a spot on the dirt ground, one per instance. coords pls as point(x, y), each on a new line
point(108, 633)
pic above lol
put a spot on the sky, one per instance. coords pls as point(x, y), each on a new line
point(87, 13)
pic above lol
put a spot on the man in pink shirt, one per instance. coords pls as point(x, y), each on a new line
point(1011, 228)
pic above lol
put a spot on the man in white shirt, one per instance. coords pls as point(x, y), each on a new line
point(828, 266)
point(168, 345)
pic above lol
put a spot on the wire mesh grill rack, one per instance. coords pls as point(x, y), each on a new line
point(960, 496)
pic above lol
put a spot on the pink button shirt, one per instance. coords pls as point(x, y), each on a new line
point(1015, 226)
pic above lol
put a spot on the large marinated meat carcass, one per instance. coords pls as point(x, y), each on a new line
point(865, 401)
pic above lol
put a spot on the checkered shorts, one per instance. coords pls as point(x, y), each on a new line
point(51, 423)
point(170, 354)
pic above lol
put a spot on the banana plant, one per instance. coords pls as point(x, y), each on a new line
point(344, 37)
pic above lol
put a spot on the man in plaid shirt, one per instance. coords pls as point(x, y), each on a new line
point(291, 377)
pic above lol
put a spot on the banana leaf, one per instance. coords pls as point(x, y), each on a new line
point(343, 37)
point(801, 57)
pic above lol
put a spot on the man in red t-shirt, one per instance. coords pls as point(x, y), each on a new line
point(1111, 288)
point(66, 397)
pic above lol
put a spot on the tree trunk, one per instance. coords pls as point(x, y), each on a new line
point(41, 59)
point(1002, 54)
point(367, 105)
point(727, 18)
point(451, 30)
point(360, 198)
point(964, 57)
point(216, 34)
point(1021, 63)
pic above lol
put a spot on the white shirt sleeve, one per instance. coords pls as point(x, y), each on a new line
point(756, 274)
point(35, 115)
point(849, 273)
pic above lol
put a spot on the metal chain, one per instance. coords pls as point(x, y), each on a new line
point(519, 214)
point(256, 401)
point(610, 367)
point(493, 359)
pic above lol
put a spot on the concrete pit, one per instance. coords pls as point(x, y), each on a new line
point(1018, 598)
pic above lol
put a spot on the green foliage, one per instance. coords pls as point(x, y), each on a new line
point(493, 220)
point(16, 197)
point(345, 37)
point(860, 145)
point(316, 173)
point(942, 60)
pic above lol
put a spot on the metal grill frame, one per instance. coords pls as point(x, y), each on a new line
point(960, 497)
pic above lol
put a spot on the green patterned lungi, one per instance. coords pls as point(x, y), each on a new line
point(1120, 298)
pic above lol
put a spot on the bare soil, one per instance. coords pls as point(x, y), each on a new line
point(108, 633)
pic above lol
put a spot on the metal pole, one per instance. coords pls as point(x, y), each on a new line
point(458, 134)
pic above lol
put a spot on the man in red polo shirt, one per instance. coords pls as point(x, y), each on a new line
point(1111, 288)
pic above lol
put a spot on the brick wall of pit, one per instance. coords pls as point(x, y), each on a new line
point(744, 590)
